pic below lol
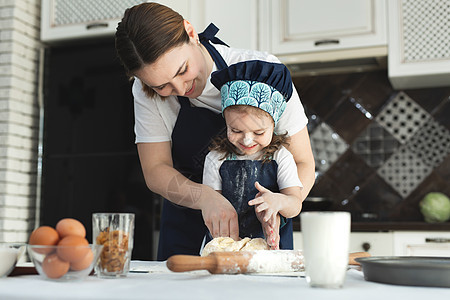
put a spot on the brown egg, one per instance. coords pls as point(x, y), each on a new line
point(46, 236)
point(84, 262)
point(70, 226)
point(54, 267)
point(72, 248)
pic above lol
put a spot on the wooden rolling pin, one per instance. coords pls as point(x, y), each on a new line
point(239, 262)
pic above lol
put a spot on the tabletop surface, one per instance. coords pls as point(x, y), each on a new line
point(157, 282)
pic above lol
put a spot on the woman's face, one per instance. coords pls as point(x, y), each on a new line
point(182, 71)
point(249, 132)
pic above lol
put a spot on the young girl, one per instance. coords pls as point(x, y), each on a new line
point(249, 164)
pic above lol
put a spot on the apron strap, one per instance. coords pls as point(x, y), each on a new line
point(184, 101)
point(209, 35)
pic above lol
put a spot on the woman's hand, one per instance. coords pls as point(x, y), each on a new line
point(220, 217)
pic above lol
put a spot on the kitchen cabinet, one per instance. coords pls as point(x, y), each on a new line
point(376, 243)
point(398, 243)
point(236, 19)
point(323, 29)
point(419, 43)
point(413, 243)
point(64, 20)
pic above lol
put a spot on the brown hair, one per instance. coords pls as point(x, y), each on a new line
point(145, 33)
point(221, 143)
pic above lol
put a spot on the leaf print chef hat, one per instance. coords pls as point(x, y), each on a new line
point(262, 84)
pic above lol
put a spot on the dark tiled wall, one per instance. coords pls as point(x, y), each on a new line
point(378, 150)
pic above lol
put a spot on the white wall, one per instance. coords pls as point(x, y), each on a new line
point(19, 116)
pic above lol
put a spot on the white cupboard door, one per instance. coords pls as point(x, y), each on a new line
point(299, 26)
point(376, 243)
point(237, 20)
point(419, 43)
point(417, 243)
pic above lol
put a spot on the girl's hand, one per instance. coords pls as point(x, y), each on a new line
point(272, 234)
point(266, 210)
point(266, 203)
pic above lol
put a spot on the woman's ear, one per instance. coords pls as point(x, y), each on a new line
point(193, 36)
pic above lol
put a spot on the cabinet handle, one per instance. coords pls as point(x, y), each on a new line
point(325, 42)
point(437, 240)
point(366, 246)
point(96, 25)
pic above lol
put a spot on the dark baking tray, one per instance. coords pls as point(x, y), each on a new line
point(407, 270)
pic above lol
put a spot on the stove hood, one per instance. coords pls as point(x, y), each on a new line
point(334, 62)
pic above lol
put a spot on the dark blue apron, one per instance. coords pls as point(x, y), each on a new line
point(182, 229)
point(238, 186)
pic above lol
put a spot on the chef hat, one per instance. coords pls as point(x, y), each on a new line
point(265, 85)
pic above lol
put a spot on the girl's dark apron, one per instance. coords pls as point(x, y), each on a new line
point(182, 229)
point(238, 186)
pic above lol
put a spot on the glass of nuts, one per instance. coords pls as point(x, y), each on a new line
point(115, 232)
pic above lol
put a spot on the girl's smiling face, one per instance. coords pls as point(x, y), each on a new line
point(249, 130)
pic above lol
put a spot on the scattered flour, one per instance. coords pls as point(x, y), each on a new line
point(276, 261)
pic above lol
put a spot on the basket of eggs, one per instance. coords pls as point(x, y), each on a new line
point(63, 253)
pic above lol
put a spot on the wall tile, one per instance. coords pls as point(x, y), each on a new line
point(431, 143)
point(402, 117)
point(444, 170)
point(348, 120)
point(375, 145)
point(373, 91)
point(442, 113)
point(350, 172)
point(348, 204)
point(323, 93)
point(327, 146)
point(327, 187)
point(18, 89)
point(429, 98)
point(376, 199)
point(313, 119)
point(404, 170)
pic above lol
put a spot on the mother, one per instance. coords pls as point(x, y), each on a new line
point(177, 112)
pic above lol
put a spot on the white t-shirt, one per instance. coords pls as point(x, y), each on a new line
point(286, 173)
point(155, 118)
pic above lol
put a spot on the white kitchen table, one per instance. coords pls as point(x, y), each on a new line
point(160, 283)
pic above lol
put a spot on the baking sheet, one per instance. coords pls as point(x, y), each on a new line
point(407, 270)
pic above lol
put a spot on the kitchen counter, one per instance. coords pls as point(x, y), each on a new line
point(389, 226)
point(160, 283)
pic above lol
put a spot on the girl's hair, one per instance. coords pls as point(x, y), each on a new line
point(145, 33)
point(221, 143)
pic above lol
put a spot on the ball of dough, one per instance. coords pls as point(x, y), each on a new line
point(237, 245)
point(255, 244)
point(222, 244)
